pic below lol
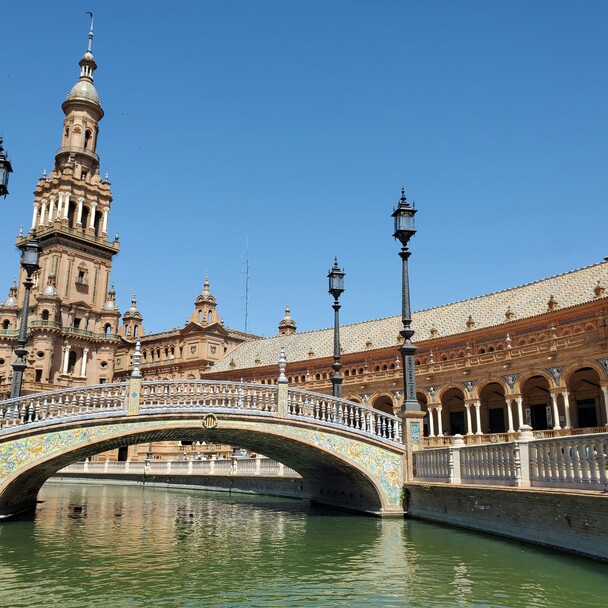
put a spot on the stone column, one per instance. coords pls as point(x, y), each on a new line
point(439, 421)
point(510, 415)
point(566, 397)
point(556, 424)
point(605, 393)
point(51, 209)
point(79, 216)
point(66, 358)
point(59, 203)
point(35, 215)
point(83, 365)
point(431, 422)
point(520, 412)
point(469, 424)
point(66, 204)
point(92, 216)
point(104, 227)
point(42, 214)
point(478, 417)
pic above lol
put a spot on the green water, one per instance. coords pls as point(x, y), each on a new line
point(111, 546)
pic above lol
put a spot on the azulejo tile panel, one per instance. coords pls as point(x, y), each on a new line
point(20, 454)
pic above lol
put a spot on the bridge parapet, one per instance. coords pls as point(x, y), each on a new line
point(200, 396)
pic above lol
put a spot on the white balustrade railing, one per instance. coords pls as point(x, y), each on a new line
point(202, 396)
point(340, 412)
point(432, 465)
point(577, 462)
point(243, 467)
point(65, 403)
point(570, 462)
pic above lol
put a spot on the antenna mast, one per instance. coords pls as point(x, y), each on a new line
point(247, 285)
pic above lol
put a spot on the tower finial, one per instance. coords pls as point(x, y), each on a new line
point(90, 49)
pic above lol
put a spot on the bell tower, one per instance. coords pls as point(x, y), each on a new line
point(72, 339)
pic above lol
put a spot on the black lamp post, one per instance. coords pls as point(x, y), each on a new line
point(5, 169)
point(404, 231)
point(336, 287)
point(30, 251)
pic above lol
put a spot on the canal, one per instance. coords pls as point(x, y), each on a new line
point(113, 546)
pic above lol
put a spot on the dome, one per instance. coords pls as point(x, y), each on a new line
point(49, 290)
point(133, 313)
point(12, 296)
point(206, 295)
point(110, 303)
point(84, 89)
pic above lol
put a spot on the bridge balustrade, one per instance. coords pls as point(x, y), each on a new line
point(65, 403)
point(167, 396)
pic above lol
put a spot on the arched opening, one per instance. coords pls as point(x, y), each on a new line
point(127, 330)
point(107, 330)
point(72, 362)
point(45, 315)
point(585, 398)
point(200, 316)
point(72, 215)
point(537, 403)
point(87, 139)
point(421, 397)
point(66, 136)
point(209, 317)
point(6, 325)
point(452, 402)
point(494, 417)
point(85, 217)
point(97, 223)
point(135, 331)
point(384, 403)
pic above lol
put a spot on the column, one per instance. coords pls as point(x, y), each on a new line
point(35, 215)
point(59, 202)
point(79, 216)
point(469, 425)
point(51, 209)
point(439, 421)
point(556, 424)
point(66, 204)
point(92, 216)
point(510, 415)
point(520, 412)
point(83, 365)
point(478, 417)
point(566, 397)
point(42, 214)
point(431, 422)
point(104, 228)
point(605, 393)
point(66, 358)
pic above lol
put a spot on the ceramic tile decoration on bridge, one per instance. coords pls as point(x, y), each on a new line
point(349, 453)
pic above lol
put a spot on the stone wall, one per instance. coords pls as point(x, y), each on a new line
point(576, 522)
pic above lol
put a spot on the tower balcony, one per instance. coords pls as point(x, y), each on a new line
point(83, 156)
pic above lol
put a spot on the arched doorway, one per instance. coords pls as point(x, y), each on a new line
point(537, 403)
point(493, 408)
point(454, 418)
point(384, 403)
point(585, 397)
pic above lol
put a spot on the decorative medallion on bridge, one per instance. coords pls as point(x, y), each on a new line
point(210, 421)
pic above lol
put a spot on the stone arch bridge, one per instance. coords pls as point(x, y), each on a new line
point(349, 455)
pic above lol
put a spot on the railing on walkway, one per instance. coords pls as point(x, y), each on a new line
point(243, 467)
point(168, 396)
point(475, 439)
point(579, 462)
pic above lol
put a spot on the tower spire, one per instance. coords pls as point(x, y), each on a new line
point(90, 49)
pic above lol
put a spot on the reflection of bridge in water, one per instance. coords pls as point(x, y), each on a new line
point(348, 454)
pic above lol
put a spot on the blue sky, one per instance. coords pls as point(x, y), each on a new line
point(293, 125)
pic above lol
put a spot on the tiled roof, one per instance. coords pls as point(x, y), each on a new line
point(524, 301)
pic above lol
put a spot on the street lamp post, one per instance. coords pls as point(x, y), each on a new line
point(30, 251)
point(336, 287)
point(404, 231)
point(5, 169)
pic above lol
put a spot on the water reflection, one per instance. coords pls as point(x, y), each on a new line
point(129, 546)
